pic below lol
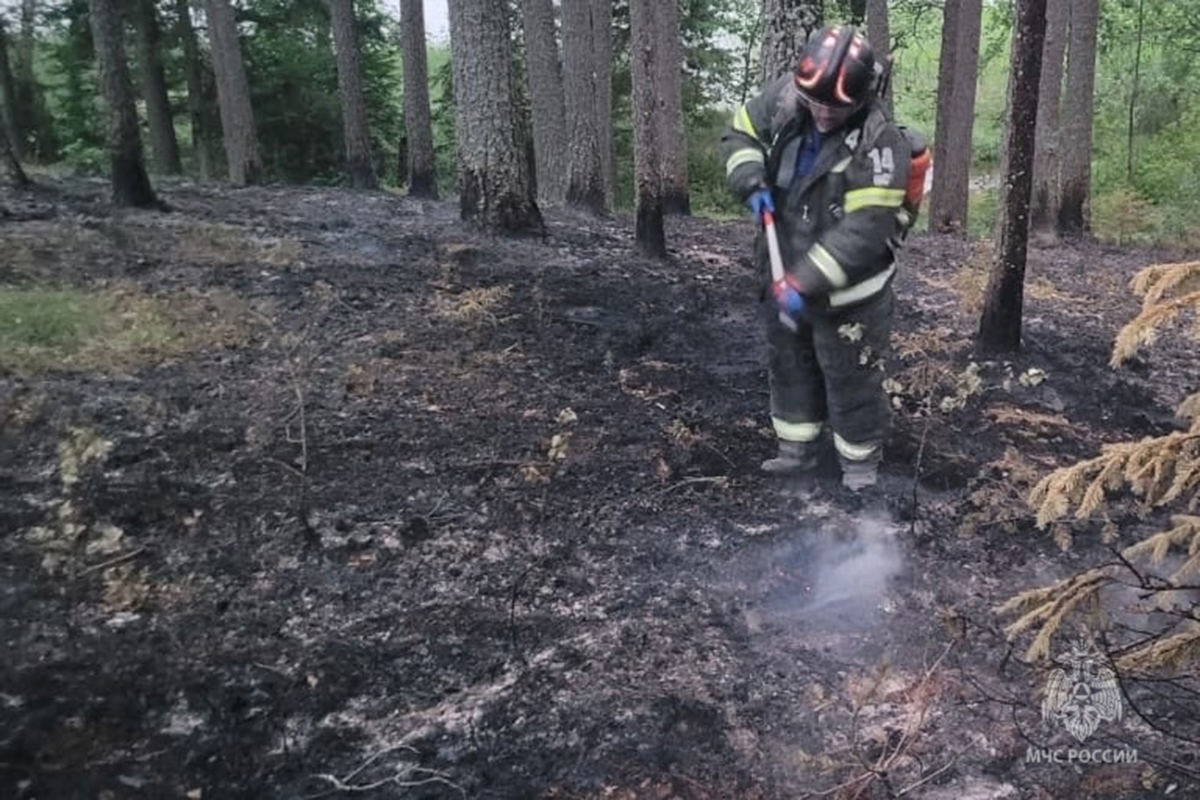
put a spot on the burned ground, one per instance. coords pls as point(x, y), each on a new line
point(454, 516)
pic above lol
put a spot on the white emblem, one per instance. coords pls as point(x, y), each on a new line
point(852, 138)
point(1083, 695)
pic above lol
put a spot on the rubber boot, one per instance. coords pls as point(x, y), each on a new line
point(793, 457)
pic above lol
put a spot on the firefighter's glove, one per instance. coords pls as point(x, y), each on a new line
point(789, 298)
point(759, 202)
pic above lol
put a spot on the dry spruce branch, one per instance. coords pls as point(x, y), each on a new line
point(1161, 471)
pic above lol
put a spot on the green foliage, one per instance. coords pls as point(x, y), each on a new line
point(47, 328)
point(288, 50)
point(1124, 216)
point(47, 319)
point(293, 79)
point(706, 171)
point(441, 103)
point(70, 87)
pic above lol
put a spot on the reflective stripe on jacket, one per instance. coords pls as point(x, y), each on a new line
point(839, 224)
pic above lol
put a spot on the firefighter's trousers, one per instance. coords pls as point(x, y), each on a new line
point(831, 373)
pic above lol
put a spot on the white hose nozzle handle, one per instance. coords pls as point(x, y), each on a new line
point(776, 263)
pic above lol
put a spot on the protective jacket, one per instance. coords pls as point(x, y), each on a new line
point(840, 223)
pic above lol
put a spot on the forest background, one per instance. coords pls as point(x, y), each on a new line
point(1144, 186)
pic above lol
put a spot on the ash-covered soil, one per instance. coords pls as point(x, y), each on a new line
point(442, 515)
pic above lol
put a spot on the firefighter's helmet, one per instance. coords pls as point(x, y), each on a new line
point(837, 68)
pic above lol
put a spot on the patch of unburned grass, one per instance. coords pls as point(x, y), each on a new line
point(970, 282)
point(474, 306)
point(45, 328)
point(220, 244)
point(40, 249)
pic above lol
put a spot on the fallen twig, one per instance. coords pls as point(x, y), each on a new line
point(400, 778)
point(112, 562)
point(719, 480)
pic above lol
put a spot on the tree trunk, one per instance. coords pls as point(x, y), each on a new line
point(8, 100)
point(420, 159)
point(957, 75)
point(242, 151)
point(8, 132)
point(360, 163)
point(1135, 89)
point(543, 72)
point(672, 134)
point(585, 161)
point(10, 164)
point(647, 149)
point(602, 22)
point(198, 97)
point(131, 187)
point(495, 190)
point(787, 24)
point(1000, 324)
point(879, 32)
point(154, 88)
point(858, 12)
point(26, 94)
point(1044, 212)
point(1078, 118)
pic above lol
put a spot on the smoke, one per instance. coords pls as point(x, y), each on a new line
point(837, 577)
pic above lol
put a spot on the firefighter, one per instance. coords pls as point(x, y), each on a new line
point(816, 150)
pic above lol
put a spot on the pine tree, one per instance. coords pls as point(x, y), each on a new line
point(495, 190)
point(243, 153)
point(1046, 178)
point(672, 135)
point(197, 91)
point(421, 160)
point(879, 32)
point(585, 160)
point(360, 163)
point(1000, 324)
point(159, 116)
point(9, 162)
point(787, 24)
point(8, 100)
point(544, 76)
point(647, 147)
point(602, 49)
point(1078, 112)
point(957, 73)
point(130, 185)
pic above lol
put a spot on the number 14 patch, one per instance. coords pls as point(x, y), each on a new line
point(884, 162)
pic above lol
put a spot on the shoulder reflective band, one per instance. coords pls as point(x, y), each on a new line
point(742, 123)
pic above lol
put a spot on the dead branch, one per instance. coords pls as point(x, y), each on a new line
point(406, 776)
point(112, 562)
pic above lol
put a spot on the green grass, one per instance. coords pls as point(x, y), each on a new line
point(69, 328)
